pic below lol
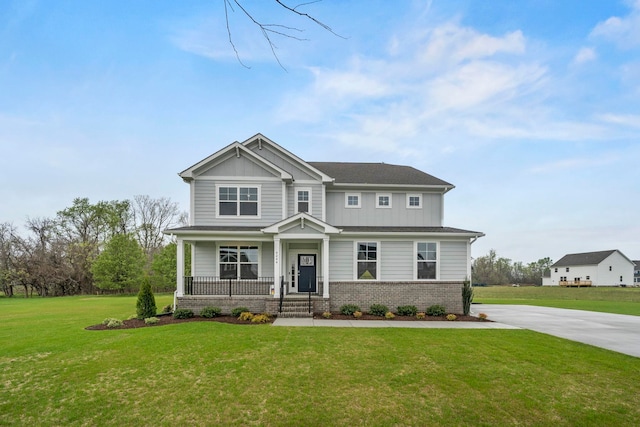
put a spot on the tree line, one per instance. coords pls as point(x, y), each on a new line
point(108, 246)
point(492, 270)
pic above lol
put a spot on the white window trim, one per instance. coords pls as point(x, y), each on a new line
point(419, 196)
point(239, 244)
point(238, 186)
point(355, 260)
point(415, 260)
point(379, 206)
point(346, 200)
point(297, 189)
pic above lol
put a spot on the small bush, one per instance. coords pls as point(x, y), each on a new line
point(167, 308)
point(436, 310)
point(133, 316)
point(389, 315)
point(183, 313)
point(451, 317)
point(112, 323)
point(357, 314)
point(151, 320)
point(420, 315)
point(261, 318)
point(349, 309)
point(210, 312)
point(326, 315)
point(483, 316)
point(146, 303)
point(246, 315)
point(378, 310)
point(236, 312)
point(407, 310)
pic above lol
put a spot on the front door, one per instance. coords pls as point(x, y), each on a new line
point(306, 273)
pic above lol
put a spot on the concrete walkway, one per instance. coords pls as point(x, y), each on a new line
point(389, 324)
point(617, 332)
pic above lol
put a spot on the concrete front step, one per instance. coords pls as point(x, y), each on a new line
point(295, 314)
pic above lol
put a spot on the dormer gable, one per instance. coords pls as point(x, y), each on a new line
point(301, 223)
point(232, 151)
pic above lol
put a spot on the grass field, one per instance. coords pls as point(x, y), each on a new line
point(53, 372)
point(603, 299)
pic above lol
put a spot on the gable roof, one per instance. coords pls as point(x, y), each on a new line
point(299, 219)
point(378, 174)
point(586, 258)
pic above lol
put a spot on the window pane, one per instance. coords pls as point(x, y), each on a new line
point(249, 208)
point(303, 206)
point(352, 200)
point(228, 254)
point(249, 254)
point(249, 271)
point(228, 193)
point(228, 208)
point(383, 201)
point(303, 196)
point(228, 271)
point(426, 270)
point(366, 270)
point(249, 194)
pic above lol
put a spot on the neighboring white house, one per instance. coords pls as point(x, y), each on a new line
point(266, 224)
point(604, 268)
point(636, 273)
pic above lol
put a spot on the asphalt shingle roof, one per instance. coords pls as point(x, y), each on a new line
point(377, 173)
point(586, 258)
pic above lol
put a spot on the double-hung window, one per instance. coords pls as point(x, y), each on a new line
point(238, 201)
point(304, 200)
point(367, 260)
point(238, 262)
point(427, 260)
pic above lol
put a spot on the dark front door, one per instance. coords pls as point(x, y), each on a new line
point(306, 273)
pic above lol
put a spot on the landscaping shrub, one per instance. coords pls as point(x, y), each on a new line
point(378, 310)
point(451, 317)
point(357, 314)
point(236, 312)
point(420, 315)
point(167, 308)
point(436, 310)
point(146, 304)
point(112, 323)
point(389, 315)
point(151, 320)
point(261, 318)
point(183, 313)
point(210, 312)
point(483, 316)
point(326, 315)
point(407, 310)
point(467, 297)
point(349, 309)
point(246, 315)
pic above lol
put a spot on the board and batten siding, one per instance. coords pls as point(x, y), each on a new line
point(205, 203)
point(397, 260)
point(453, 260)
point(290, 165)
point(238, 166)
point(430, 214)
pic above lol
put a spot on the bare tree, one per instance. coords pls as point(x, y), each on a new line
point(271, 31)
point(151, 217)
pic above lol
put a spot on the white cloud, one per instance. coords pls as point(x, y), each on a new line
point(624, 31)
point(630, 120)
point(585, 54)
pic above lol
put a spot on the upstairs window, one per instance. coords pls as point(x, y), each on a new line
point(238, 201)
point(304, 200)
point(427, 259)
point(352, 200)
point(414, 201)
point(383, 200)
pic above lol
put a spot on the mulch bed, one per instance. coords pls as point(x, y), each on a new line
point(169, 320)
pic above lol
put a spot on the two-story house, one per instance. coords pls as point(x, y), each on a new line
point(266, 224)
point(602, 268)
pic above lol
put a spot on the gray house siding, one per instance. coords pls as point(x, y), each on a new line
point(341, 260)
point(237, 166)
point(204, 259)
point(453, 260)
point(205, 205)
point(398, 215)
point(285, 164)
point(316, 199)
point(397, 260)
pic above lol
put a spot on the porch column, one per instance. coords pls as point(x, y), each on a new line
point(277, 255)
point(325, 267)
point(180, 268)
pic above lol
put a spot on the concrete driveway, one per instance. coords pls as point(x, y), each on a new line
point(617, 332)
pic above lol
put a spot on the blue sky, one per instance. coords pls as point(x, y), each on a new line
point(530, 107)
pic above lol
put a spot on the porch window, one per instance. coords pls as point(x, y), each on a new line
point(304, 199)
point(427, 259)
point(238, 262)
point(367, 260)
point(238, 201)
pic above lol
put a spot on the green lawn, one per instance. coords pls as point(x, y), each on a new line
point(604, 299)
point(53, 372)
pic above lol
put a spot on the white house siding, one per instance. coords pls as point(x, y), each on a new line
point(396, 260)
point(205, 205)
point(620, 266)
point(453, 260)
point(341, 260)
point(398, 215)
point(204, 259)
